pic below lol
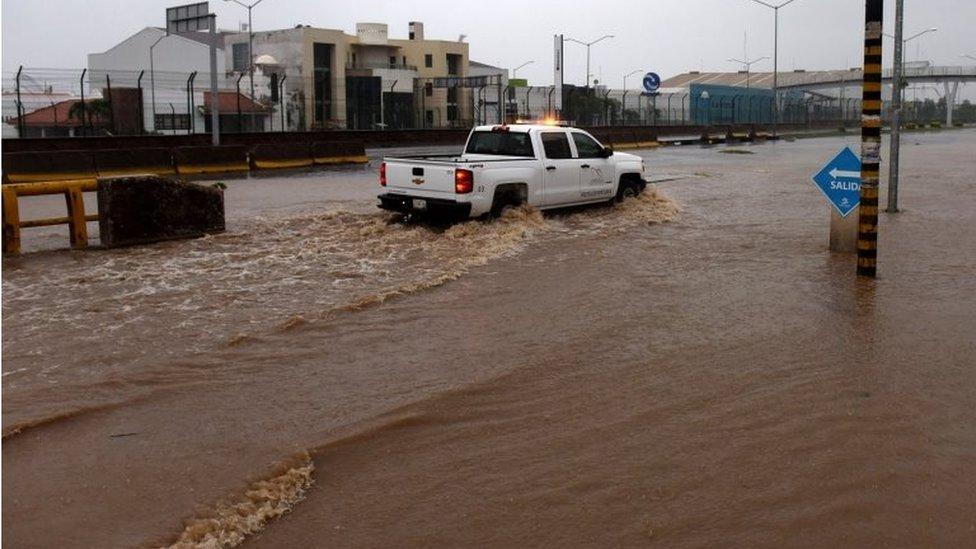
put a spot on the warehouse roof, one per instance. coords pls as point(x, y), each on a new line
point(755, 79)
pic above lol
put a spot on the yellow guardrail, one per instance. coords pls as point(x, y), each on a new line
point(76, 219)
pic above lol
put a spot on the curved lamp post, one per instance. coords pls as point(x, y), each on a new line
point(588, 44)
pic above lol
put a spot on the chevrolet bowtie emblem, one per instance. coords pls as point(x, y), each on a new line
point(418, 180)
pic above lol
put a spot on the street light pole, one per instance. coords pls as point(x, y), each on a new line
point(588, 44)
point(152, 78)
point(895, 146)
point(748, 64)
point(775, 8)
point(897, 98)
point(515, 70)
point(250, 40)
point(631, 73)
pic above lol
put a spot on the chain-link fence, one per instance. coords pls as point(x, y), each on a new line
point(83, 102)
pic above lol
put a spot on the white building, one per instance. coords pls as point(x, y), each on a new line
point(164, 75)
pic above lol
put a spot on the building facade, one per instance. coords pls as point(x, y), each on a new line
point(165, 61)
point(326, 78)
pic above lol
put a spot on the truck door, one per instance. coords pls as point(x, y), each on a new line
point(596, 173)
point(560, 169)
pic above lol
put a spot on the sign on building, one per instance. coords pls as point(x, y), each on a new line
point(189, 17)
point(462, 82)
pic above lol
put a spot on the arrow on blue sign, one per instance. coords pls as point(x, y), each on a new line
point(840, 181)
point(651, 82)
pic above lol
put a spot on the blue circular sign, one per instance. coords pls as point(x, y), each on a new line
point(651, 82)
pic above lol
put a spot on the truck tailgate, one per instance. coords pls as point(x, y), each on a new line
point(431, 179)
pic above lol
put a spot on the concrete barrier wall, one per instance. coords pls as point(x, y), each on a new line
point(340, 152)
point(266, 156)
point(28, 167)
point(209, 159)
point(375, 138)
point(144, 209)
point(113, 162)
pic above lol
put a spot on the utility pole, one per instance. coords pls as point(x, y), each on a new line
point(867, 232)
point(896, 109)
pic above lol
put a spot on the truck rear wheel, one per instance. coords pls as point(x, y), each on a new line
point(506, 196)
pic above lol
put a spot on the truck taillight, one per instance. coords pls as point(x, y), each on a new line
point(383, 174)
point(463, 181)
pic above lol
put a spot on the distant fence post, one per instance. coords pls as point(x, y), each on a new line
point(189, 103)
point(142, 108)
point(281, 99)
point(81, 82)
point(240, 117)
point(20, 110)
point(111, 104)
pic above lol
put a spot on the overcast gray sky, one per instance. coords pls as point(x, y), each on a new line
point(667, 36)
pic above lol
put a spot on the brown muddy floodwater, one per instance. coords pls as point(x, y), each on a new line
point(689, 369)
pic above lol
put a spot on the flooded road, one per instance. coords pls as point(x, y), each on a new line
point(629, 376)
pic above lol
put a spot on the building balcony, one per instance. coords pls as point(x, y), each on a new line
point(394, 66)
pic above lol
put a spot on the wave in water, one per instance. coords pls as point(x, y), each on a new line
point(227, 524)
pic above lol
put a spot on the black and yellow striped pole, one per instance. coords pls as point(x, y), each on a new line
point(867, 227)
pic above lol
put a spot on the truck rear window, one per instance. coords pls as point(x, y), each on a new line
point(500, 143)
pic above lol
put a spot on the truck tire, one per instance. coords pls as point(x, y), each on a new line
point(506, 196)
point(629, 188)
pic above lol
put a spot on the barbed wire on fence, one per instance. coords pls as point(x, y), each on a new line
point(44, 102)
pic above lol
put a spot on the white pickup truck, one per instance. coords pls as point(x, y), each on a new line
point(507, 165)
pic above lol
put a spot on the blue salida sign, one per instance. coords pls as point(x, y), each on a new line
point(840, 181)
point(651, 82)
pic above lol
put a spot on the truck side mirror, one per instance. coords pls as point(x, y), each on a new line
point(607, 152)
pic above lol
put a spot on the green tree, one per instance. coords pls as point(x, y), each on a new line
point(965, 113)
point(95, 110)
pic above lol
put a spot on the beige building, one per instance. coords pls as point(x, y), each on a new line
point(366, 80)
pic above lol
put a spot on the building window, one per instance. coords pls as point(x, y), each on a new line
point(241, 58)
point(452, 94)
point(411, 35)
point(453, 64)
point(428, 60)
point(172, 122)
point(322, 81)
point(392, 61)
point(429, 89)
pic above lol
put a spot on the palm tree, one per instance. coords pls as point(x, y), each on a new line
point(94, 110)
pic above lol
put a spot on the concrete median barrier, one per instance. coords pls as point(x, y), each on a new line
point(116, 162)
point(143, 209)
point(29, 167)
point(270, 156)
point(341, 152)
point(209, 159)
